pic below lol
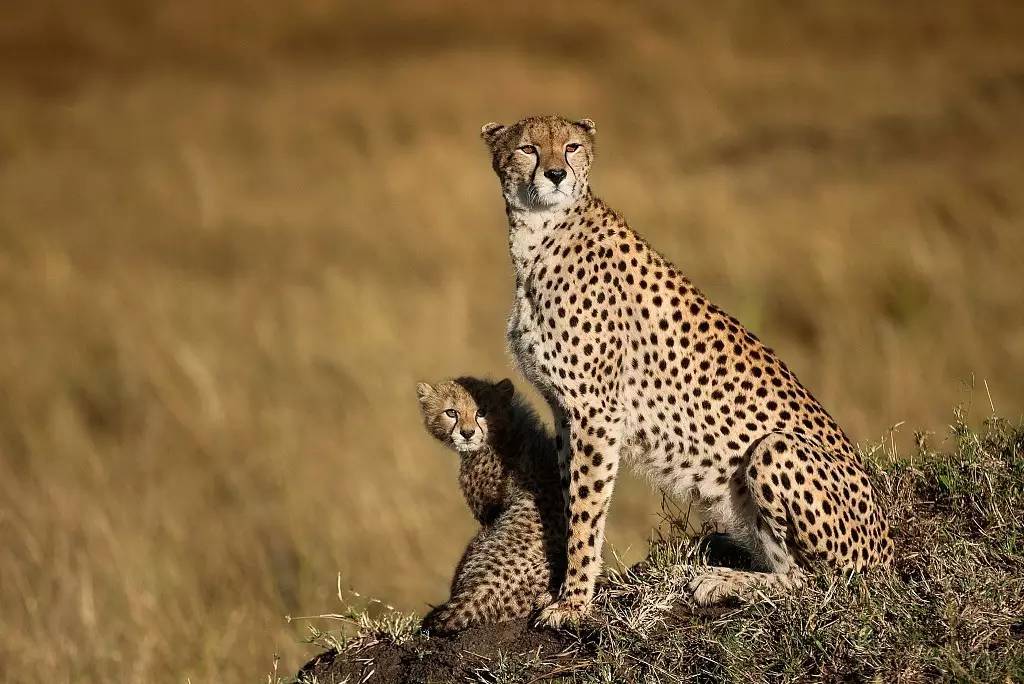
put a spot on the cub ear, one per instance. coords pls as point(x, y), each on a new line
point(491, 131)
point(588, 125)
point(423, 391)
point(505, 389)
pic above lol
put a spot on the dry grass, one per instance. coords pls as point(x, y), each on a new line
point(233, 235)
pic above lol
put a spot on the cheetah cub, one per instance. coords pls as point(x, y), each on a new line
point(509, 476)
point(639, 366)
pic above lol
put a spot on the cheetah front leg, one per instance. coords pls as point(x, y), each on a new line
point(593, 467)
point(562, 447)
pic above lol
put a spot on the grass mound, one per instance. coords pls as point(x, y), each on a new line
point(951, 607)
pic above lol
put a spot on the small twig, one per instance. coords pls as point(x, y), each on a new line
point(989, 393)
point(653, 665)
point(559, 670)
point(324, 616)
point(892, 442)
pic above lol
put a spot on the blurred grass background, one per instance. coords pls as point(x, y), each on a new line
point(233, 235)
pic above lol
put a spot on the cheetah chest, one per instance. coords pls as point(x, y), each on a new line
point(525, 332)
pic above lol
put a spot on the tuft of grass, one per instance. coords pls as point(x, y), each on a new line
point(951, 607)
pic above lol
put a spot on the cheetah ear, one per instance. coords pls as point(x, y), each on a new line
point(505, 389)
point(588, 125)
point(424, 391)
point(490, 132)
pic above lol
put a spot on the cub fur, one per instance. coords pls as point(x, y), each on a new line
point(509, 476)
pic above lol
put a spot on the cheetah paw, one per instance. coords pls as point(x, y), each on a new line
point(714, 586)
point(562, 613)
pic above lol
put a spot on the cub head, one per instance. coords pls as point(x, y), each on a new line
point(543, 162)
point(463, 413)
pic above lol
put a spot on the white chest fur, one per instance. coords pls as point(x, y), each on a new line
point(526, 237)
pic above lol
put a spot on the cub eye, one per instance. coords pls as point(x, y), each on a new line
point(572, 147)
point(481, 413)
point(528, 149)
point(451, 413)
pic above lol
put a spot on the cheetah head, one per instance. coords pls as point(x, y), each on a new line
point(463, 413)
point(543, 162)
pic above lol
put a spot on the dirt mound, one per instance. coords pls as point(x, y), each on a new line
point(533, 654)
point(451, 658)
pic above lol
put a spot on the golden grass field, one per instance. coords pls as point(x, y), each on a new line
point(233, 235)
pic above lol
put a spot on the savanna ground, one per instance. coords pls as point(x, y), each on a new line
point(233, 235)
point(951, 607)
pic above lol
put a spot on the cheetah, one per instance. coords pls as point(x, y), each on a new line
point(639, 366)
point(509, 476)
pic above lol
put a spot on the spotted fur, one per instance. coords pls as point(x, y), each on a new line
point(638, 365)
point(509, 476)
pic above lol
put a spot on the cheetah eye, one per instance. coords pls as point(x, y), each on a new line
point(528, 149)
point(451, 413)
point(572, 147)
point(481, 413)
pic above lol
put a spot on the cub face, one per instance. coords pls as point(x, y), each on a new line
point(543, 162)
point(463, 413)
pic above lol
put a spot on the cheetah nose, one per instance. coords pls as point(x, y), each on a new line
point(555, 175)
point(467, 432)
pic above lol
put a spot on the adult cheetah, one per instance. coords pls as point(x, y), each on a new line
point(637, 364)
point(509, 477)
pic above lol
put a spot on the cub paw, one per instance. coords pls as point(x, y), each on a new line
point(444, 620)
point(543, 600)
